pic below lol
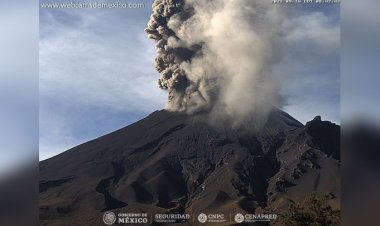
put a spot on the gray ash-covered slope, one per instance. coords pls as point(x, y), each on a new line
point(172, 162)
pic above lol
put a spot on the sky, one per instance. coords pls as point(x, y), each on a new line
point(97, 71)
point(311, 63)
point(97, 74)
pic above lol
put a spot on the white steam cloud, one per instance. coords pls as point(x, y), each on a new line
point(216, 56)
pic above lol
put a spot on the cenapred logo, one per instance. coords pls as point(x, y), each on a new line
point(239, 218)
point(109, 218)
point(202, 218)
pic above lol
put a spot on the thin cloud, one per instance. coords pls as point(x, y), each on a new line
point(96, 62)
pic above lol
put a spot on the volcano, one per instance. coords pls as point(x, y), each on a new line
point(172, 162)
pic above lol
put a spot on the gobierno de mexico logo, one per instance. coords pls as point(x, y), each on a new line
point(109, 218)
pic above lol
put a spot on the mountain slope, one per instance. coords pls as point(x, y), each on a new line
point(172, 162)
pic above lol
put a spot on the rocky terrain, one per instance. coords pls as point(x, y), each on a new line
point(174, 163)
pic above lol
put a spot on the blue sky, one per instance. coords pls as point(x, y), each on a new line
point(96, 74)
point(97, 71)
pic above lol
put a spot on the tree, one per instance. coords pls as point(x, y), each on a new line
point(313, 212)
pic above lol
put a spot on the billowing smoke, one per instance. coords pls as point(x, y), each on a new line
point(216, 55)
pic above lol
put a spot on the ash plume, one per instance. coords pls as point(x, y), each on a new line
point(216, 55)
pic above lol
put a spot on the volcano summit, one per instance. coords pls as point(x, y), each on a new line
point(172, 162)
